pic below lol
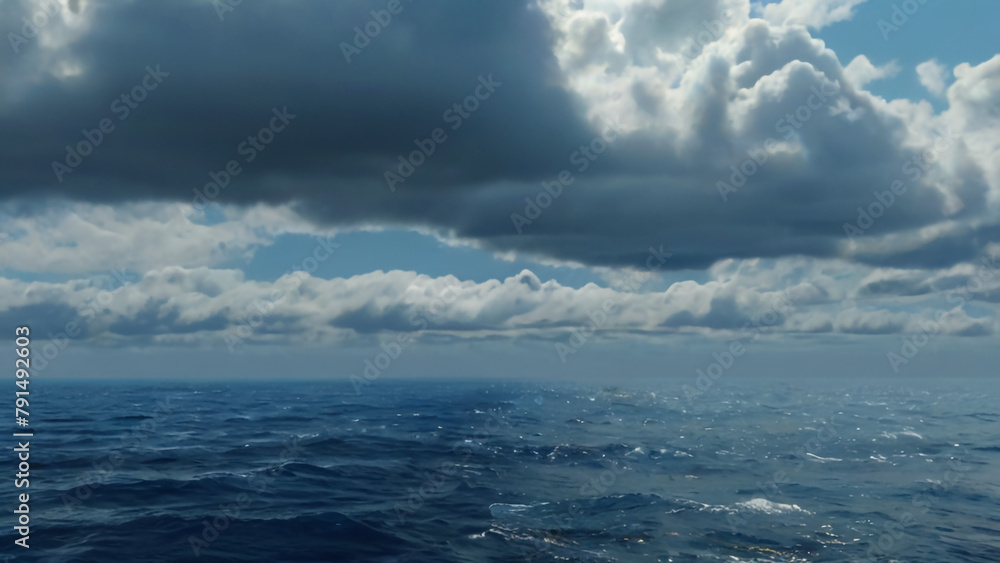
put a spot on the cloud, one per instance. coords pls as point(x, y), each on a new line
point(861, 71)
point(214, 307)
point(856, 321)
point(932, 76)
point(695, 87)
point(76, 237)
point(813, 13)
point(958, 322)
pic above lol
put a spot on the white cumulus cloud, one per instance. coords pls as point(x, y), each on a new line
point(932, 76)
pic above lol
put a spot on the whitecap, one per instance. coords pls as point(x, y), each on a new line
point(769, 507)
point(500, 508)
point(823, 459)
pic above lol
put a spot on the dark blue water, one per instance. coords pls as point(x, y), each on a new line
point(432, 471)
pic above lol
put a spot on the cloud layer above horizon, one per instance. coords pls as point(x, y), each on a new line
point(172, 145)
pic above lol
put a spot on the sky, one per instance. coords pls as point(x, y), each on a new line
point(589, 189)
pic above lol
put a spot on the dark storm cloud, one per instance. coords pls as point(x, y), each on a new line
point(225, 78)
point(217, 82)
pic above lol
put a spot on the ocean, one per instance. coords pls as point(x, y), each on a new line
point(425, 471)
